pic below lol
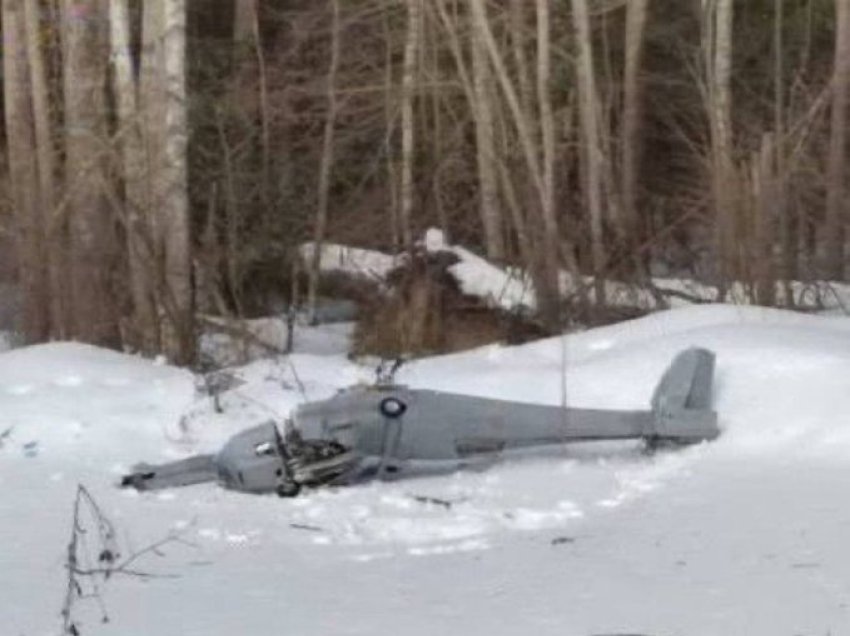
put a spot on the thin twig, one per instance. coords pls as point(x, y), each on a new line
point(83, 576)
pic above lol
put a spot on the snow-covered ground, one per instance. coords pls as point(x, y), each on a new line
point(746, 535)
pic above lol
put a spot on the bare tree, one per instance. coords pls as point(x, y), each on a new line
point(45, 134)
point(143, 330)
point(93, 257)
point(151, 104)
point(636, 15)
point(491, 216)
point(164, 225)
point(592, 146)
point(250, 64)
point(544, 100)
point(784, 212)
point(244, 18)
point(174, 209)
point(836, 204)
point(519, 38)
point(327, 162)
point(718, 20)
point(390, 118)
point(545, 268)
point(24, 171)
point(408, 122)
point(491, 119)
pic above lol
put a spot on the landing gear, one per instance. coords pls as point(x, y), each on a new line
point(288, 488)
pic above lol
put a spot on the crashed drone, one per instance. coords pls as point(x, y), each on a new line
point(390, 431)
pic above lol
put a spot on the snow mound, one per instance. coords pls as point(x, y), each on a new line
point(370, 264)
point(782, 378)
point(498, 287)
point(72, 400)
point(512, 289)
point(743, 535)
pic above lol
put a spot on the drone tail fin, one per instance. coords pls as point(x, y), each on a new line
point(682, 400)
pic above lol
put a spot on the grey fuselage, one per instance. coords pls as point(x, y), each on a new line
point(391, 431)
point(434, 426)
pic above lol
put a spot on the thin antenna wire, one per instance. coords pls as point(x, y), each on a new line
point(564, 372)
point(564, 412)
point(301, 388)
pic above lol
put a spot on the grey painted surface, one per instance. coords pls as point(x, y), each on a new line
point(392, 431)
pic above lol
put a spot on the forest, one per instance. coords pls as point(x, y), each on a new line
point(166, 160)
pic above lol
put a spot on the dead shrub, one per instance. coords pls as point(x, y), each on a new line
point(423, 312)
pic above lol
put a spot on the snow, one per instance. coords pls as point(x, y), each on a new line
point(745, 535)
point(511, 289)
point(268, 335)
point(478, 277)
point(352, 260)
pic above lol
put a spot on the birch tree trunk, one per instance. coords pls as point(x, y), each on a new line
point(519, 37)
point(174, 220)
point(143, 329)
point(836, 204)
point(719, 19)
point(592, 148)
point(326, 165)
point(636, 13)
point(549, 293)
point(93, 257)
point(151, 102)
point(164, 126)
point(545, 268)
point(408, 88)
point(523, 124)
point(244, 16)
point(491, 214)
point(544, 100)
point(21, 138)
